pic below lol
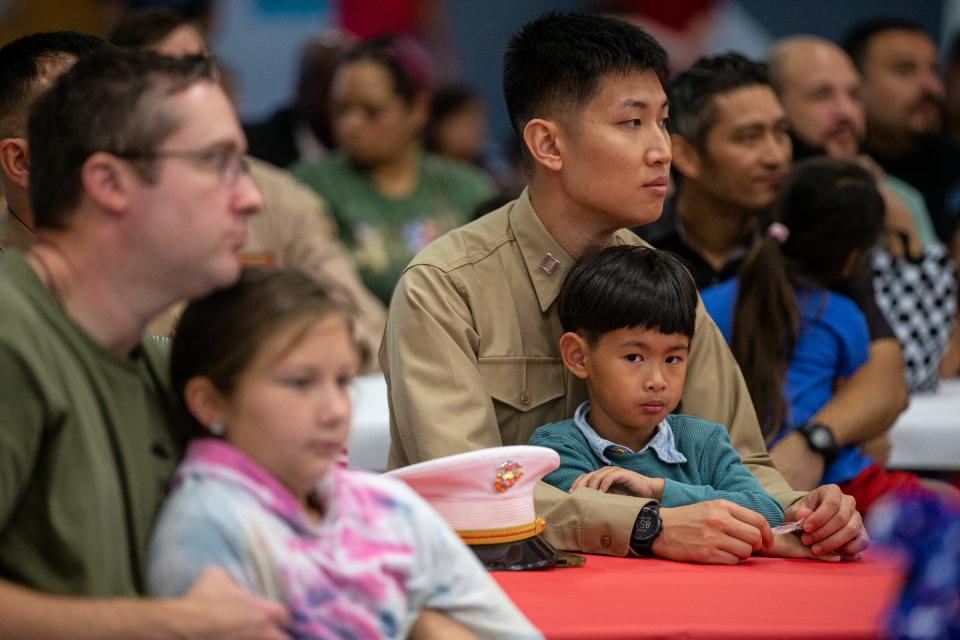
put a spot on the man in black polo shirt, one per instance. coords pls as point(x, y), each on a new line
point(731, 150)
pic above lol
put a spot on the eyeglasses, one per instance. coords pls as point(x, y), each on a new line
point(229, 163)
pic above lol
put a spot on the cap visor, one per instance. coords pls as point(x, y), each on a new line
point(523, 555)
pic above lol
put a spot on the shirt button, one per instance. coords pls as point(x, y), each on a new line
point(605, 542)
point(524, 399)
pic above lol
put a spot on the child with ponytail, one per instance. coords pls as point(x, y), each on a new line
point(794, 337)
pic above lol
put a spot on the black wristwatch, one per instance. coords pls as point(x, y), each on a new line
point(646, 528)
point(820, 438)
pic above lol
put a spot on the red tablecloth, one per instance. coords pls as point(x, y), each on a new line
point(760, 598)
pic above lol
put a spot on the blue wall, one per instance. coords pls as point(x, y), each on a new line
point(831, 18)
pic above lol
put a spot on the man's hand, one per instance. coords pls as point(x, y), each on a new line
point(714, 532)
point(832, 522)
point(799, 465)
point(623, 481)
point(222, 610)
point(789, 545)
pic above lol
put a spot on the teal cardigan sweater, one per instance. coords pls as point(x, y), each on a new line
point(713, 470)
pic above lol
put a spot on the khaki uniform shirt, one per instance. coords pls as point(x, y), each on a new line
point(293, 230)
point(471, 357)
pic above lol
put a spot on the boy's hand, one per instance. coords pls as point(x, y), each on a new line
point(623, 481)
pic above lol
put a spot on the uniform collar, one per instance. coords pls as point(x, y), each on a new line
point(546, 261)
point(662, 443)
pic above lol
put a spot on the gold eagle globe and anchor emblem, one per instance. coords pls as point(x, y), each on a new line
point(508, 473)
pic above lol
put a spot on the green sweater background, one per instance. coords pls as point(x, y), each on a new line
point(713, 470)
point(384, 233)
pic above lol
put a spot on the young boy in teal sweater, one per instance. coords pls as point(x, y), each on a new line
point(628, 315)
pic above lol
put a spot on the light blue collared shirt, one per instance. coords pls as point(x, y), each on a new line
point(662, 441)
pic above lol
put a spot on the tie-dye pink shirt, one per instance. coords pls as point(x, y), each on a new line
point(378, 557)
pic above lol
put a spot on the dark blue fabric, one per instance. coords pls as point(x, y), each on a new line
point(925, 528)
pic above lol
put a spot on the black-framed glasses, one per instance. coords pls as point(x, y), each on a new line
point(228, 162)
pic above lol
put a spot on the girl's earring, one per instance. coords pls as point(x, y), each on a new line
point(217, 428)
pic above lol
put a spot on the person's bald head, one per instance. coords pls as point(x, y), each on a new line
point(820, 91)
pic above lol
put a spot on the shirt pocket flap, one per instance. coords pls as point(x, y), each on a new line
point(523, 383)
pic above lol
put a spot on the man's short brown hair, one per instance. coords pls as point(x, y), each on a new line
point(114, 101)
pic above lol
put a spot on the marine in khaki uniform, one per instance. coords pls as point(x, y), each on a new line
point(471, 349)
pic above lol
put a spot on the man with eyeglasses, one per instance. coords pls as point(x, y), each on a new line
point(140, 198)
point(294, 230)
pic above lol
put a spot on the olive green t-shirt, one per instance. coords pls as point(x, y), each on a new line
point(383, 233)
point(86, 449)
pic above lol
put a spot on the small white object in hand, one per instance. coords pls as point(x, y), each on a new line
point(788, 527)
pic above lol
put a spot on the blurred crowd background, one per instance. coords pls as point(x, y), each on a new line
point(262, 42)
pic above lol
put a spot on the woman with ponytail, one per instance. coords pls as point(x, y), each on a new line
point(794, 337)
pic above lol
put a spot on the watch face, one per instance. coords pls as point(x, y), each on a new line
point(820, 438)
point(645, 527)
